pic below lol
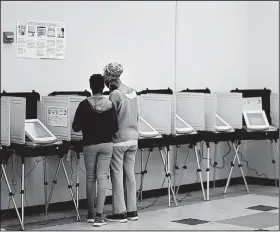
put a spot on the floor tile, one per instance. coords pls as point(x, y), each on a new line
point(262, 208)
point(191, 221)
point(273, 228)
point(221, 207)
point(257, 221)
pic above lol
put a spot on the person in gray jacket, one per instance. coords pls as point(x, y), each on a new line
point(125, 145)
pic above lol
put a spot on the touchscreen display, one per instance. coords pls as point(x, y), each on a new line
point(36, 130)
point(256, 119)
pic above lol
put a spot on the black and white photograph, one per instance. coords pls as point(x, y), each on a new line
point(51, 31)
point(60, 32)
point(22, 30)
point(31, 31)
point(143, 116)
point(41, 31)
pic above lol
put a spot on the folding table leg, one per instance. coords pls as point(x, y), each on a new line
point(230, 172)
point(176, 166)
point(199, 172)
point(274, 164)
point(71, 190)
point(239, 165)
point(168, 175)
point(141, 192)
point(54, 182)
point(11, 194)
point(241, 169)
point(143, 172)
point(22, 189)
point(215, 165)
point(45, 184)
point(77, 180)
point(207, 171)
point(183, 168)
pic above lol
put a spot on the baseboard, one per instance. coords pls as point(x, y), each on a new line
point(61, 206)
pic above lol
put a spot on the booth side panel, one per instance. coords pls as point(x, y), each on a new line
point(274, 109)
point(57, 116)
point(210, 112)
point(74, 103)
point(5, 122)
point(190, 107)
point(156, 110)
point(229, 108)
point(17, 121)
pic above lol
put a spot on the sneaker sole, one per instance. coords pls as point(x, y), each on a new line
point(90, 220)
point(133, 218)
point(117, 220)
point(99, 224)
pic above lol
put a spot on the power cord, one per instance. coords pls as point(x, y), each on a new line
point(154, 200)
point(252, 169)
point(188, 193)
point(223, 157)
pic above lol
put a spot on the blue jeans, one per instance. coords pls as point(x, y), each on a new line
point(97, 162)
point(123, 179)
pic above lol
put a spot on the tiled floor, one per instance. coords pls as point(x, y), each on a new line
point(236, 210)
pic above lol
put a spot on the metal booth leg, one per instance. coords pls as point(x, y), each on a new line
point(77, 180)
point(199, 172)
point(207, 171)
point(143, 172)
point(183, 169)
point(45, 184)
point(215, 165)
point(22, 189)
point(71, 190)
point(141, 192)
point(168, 175)
point(11, 194)
point(274, 165)
point(239, 165)
point(176, 166)
point(54, 182)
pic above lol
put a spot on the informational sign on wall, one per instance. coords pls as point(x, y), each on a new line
point(57, 116)
point(252, 103)
point(38, 39)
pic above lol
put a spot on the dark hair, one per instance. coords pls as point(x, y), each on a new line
point(96, 83)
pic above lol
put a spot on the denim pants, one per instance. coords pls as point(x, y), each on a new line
point(123, 179)
point(97, 162)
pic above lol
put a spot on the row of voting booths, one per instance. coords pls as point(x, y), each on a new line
point(42, 126)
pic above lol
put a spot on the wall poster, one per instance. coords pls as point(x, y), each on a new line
point(57, 116)
point(39, 39)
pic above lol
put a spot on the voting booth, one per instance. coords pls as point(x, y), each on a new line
point(257, 118)
point(57, 113)
point(189, 119)
point(12, 131)
point(156, 118)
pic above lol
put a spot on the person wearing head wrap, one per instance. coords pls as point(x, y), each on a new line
point(125, 145)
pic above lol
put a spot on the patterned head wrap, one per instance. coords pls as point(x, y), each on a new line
point(112, 71)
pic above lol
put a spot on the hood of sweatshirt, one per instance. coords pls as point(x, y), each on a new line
point(100, 103)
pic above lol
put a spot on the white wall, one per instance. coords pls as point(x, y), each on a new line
point(212, 45)
point(139, 35)
point(263, 46)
